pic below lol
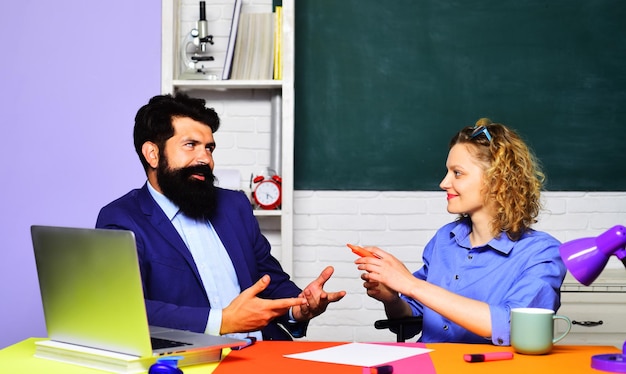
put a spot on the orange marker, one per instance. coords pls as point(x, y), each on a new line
point(361, 251)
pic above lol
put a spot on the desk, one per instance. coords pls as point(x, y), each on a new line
point(267, 357)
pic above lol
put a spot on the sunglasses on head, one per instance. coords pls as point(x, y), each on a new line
point(480, 130)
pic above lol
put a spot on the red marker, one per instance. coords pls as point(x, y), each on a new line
point(490, 356)
point(361, 251)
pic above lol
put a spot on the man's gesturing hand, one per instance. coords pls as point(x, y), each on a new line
point(317, 299)
point(247, 312)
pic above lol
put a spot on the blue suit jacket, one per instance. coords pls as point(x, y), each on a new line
point(173, 290)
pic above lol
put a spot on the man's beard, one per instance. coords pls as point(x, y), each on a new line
point(195, 198)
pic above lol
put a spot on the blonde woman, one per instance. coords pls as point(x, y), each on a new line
point(487, 261)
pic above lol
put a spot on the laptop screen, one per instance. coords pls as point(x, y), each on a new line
point(91, 288)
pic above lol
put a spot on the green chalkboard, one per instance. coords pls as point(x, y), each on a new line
point(381, 87)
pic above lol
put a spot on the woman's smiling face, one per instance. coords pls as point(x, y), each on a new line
point(464, 181)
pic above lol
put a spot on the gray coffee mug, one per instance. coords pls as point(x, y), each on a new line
point(532, 330)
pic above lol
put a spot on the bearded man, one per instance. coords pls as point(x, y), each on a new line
point(205, 265)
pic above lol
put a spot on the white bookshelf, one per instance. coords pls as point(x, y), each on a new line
point(267, 97)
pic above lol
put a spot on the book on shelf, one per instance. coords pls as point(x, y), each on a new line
point(231, 40)
point(237, 65)
point(254, 48)
point(278, 38)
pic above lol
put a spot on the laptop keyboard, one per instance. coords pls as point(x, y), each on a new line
point(158, 343)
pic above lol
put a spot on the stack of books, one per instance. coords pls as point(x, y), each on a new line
point(254, 51)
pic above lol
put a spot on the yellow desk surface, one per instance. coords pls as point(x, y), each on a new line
point(18, 359)
point(267, 357)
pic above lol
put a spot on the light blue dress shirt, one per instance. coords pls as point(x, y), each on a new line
point(213, 262)
point(503, 273)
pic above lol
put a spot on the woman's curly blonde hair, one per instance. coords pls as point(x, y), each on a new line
point(513, 177)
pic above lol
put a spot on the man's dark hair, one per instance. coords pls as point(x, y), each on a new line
point(153, 121)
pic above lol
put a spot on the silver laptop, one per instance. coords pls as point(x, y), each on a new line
point(93, 297)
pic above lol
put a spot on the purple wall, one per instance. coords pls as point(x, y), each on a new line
point(73, 74)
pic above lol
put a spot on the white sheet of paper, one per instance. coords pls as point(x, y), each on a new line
point(360, 354)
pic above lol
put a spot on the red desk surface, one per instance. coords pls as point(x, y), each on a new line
point(267, 357)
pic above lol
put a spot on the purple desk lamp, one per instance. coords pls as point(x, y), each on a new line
point(586, 258)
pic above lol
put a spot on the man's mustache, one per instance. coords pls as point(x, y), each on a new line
point(204, 170)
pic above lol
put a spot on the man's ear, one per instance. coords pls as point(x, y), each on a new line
point(150, 152)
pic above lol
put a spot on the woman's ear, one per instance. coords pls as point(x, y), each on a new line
point(151, 153)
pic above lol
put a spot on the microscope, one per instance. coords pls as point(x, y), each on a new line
point(196, 61)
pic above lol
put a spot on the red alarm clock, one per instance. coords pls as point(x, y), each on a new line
point(267, 193)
